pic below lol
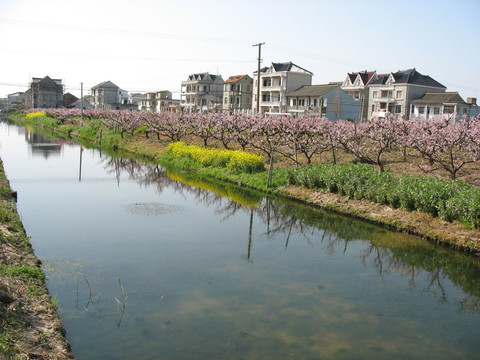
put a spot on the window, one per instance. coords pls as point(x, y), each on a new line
point(436, 110)
point(225, 101)
point(238, 100)
point(398, 109)
point(294, 102)
point(399, 94)
point(375, 94)
point(267, 82)
point(448, 109)
point(266, 97)
point(232, 87)
point(421, 110)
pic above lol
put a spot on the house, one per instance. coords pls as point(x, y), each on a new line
point(165, 101)
point(81, 104)
point(148, 103)
point(447, 104)
point(201, 92)
point(392, 94)
point(328, 100)
point(275, 82)
point(106, 95)
point(17, 98)
point(69, 99)
point(134, 98)
point(44, 93)
point(237, 93)
point(158, 102)
point(356, 85)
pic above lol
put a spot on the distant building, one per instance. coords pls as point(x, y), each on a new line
point(275, 83)
point(237, 93)
point(134, 98)
point(328, 101)
point(44, 93)
point(392, 94)
point(16, 98)
point(201, 92)
point(356, 85)
point(106, 95)
point(69, 99)
point(446, 104)
point(81, 104)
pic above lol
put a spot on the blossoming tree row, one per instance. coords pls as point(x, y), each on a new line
point(439, 142)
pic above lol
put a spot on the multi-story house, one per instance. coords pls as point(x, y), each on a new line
point(148, 103)
point(275, 82)
point(201, 92)
point(447, 104)
point(356, 85)
point(392, 94)
point(165, 101)
point(106, 95)
point(44, 93)
point(237, 93)
point(328, 100)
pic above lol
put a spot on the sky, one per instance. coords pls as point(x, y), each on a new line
point(151, 45)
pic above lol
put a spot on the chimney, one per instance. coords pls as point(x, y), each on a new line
point(472, 101)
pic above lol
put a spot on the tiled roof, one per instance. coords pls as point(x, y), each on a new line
point(234, 78)
point(105, 84)
point(312, 90)
point(364, 75)
point(409, 76)
point(287, 66)
point(439, 98)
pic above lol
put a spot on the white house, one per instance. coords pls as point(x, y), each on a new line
point(391, 94)
point(447, 104)
point(201, 92)
point(275, 82)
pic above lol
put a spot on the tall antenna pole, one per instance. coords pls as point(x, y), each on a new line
point(258, 74)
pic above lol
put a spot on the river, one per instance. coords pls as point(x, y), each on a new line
point(149, 264)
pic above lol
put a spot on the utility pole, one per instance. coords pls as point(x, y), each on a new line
point(258, 74)
point(81, 102)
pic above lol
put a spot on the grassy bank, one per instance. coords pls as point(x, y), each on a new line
point(365, 194)
point(29, 324)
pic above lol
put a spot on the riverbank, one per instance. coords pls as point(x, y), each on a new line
point(29, 324)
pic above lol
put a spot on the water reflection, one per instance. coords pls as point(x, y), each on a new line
point(40, 145)
point(408, 257)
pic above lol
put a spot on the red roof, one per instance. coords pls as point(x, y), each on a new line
point(234, 78)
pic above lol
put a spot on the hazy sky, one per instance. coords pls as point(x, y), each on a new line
point(150, 45)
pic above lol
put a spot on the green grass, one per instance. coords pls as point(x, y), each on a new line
point(23, 271)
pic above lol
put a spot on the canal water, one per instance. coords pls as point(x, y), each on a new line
point(147, 264)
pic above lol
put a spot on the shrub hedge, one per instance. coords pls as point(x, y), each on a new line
point(448, 199)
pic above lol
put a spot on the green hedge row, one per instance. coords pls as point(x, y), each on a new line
point(447, 199)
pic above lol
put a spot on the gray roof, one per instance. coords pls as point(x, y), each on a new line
point(312, 90)
point(409, 76)
point(105, 84)
point(439, 98)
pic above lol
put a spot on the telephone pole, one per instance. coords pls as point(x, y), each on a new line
point(258, 74)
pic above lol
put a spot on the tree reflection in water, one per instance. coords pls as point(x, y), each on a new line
point(387, 252)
